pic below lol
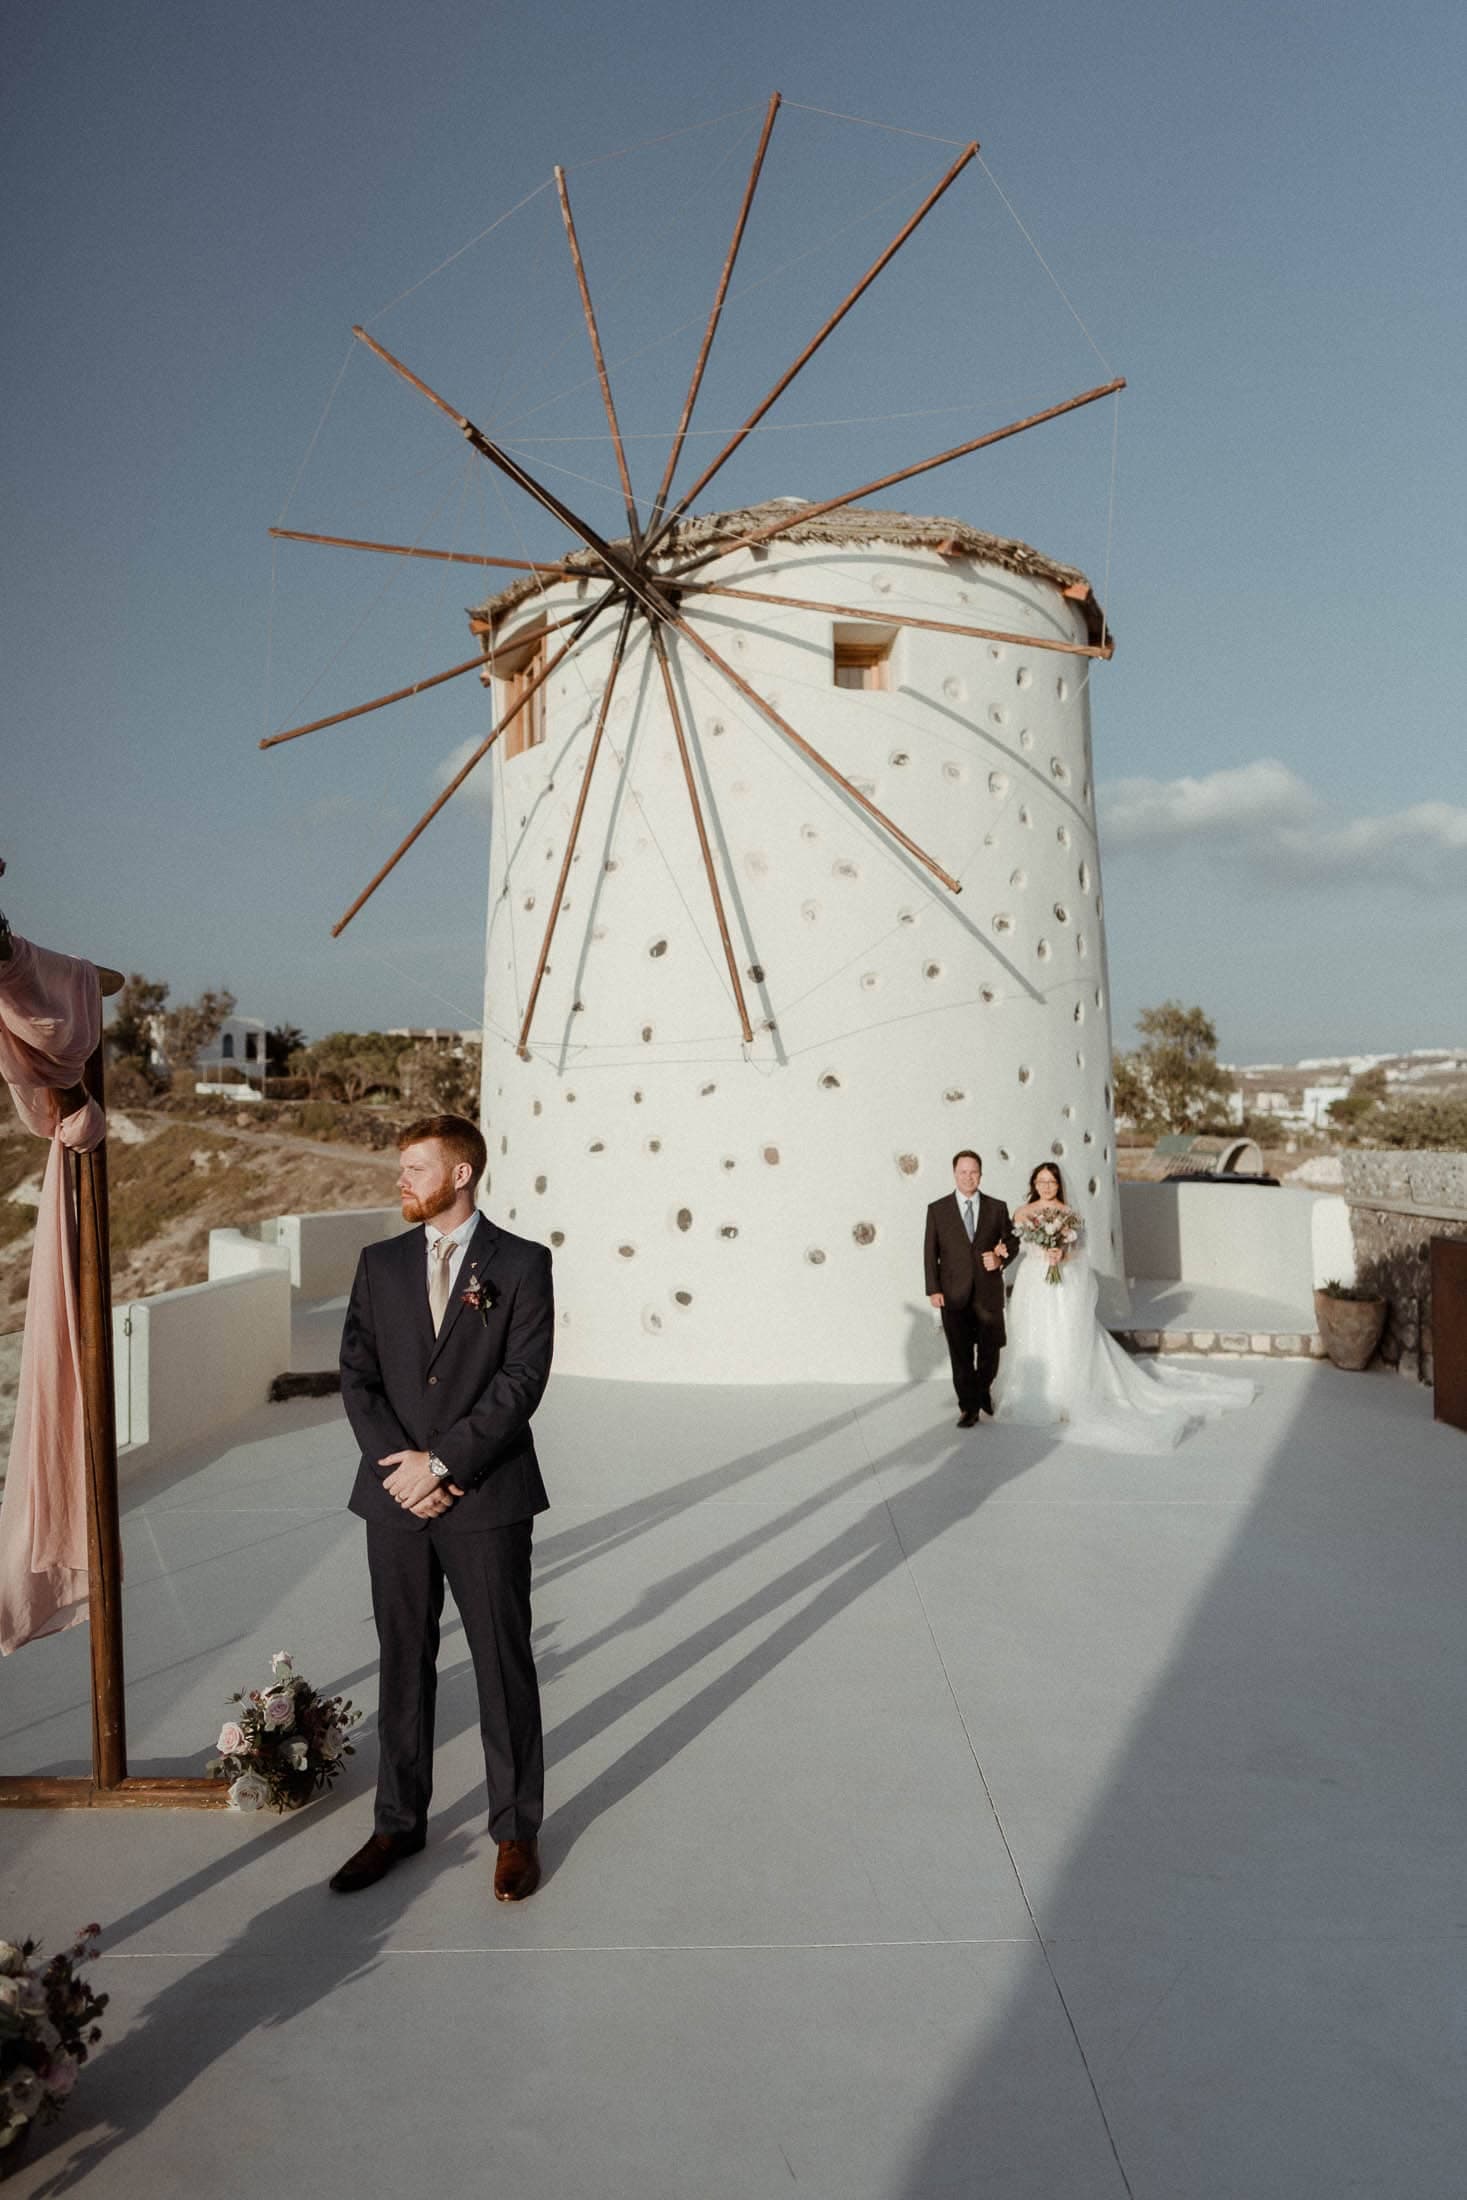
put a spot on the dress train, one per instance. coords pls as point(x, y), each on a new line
point(1062, 1370)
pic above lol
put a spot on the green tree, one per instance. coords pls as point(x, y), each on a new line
point(440, 1082)
point(1132, 1097)
point(134, 1033)
point(190, 1027)
point(348, 1065)
point(280, 1044)
point(1432, 1122)
point(1366, 1093)
point(1177, 1065)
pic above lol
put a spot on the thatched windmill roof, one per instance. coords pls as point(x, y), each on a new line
point(850, 528)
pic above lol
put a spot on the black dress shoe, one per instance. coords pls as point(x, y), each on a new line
point(967, 1420)
point(374, 1860)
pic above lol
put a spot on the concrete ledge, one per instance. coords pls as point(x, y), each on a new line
point(1278, 1242)
point(190, 1363)
point(323, 1248)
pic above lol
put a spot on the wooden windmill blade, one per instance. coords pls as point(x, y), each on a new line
point(650, 576)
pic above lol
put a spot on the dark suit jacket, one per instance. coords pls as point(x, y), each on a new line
point(466, 1394)
point(953, 1266)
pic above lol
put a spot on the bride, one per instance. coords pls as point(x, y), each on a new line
point(1062, 1370)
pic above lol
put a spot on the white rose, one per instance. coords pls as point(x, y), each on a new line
point(331, 1744)
point(281, 1658)
point(279, 1712)
point(249, 1792)
point(11, 1990)
point(26, 2091)
point(298, 1756)
point(32, 1995)
point(231, 1739)
point(11, 1958)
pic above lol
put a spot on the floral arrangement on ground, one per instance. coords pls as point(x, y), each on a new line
point(285, 1744)
point(48, 2026)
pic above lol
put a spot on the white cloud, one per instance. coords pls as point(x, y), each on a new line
point(1265, 817)
point(478, 788)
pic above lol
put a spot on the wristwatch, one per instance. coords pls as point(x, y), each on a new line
point(437, 1468)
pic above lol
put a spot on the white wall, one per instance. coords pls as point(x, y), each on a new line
point(755, 1213)
point(236, 1253)
point(1268, 1242)
point(189, 1363)
point(323, 1248)
point(318, 1251)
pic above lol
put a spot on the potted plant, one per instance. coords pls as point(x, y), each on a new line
point(1351, 1318)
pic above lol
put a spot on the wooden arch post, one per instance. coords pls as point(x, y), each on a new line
point(109, 1783)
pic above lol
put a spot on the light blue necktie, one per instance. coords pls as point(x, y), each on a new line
point(968, 1224)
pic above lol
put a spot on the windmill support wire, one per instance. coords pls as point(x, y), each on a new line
point(700, 363)
point(889, 481)
point(643, 574)
point(969, 152)
point(711, 874)
point(522, 1047)
point(633, 524)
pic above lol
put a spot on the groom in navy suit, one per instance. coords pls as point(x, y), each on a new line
point(444, 1358)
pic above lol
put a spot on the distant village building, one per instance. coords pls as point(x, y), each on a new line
point(734, 1212)
point(235, 1056)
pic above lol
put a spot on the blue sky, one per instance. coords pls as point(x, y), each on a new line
point(1255, 213)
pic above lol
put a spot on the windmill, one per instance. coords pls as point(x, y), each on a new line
point(682, 594)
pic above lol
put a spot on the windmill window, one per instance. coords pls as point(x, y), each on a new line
point(226, 1047)
point(861, 656)
point(516, 670)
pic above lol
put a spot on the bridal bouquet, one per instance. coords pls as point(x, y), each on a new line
point(1056, 1229)
point(48, 2022)
point(286, 1742)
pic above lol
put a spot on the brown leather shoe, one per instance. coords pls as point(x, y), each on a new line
point(517, 1873)
point(374, 1860)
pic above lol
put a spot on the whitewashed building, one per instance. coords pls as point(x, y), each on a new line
point(724, 1211)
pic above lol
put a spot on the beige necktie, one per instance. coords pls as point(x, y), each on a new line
point(443, 1250)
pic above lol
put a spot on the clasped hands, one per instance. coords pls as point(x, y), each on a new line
point(415, 1487)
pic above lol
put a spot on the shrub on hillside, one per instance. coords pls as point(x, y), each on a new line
point(1431, 1124)
point(319, 1119)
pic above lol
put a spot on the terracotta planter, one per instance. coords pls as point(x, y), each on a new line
point(1350, 1328)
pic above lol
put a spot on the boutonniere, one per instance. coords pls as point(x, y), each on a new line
point(478, 1296)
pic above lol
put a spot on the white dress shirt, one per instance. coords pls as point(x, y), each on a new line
point(459, 1239)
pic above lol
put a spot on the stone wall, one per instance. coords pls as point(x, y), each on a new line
point(1398, 1203)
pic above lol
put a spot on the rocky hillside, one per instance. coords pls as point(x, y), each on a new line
point(171, 1182)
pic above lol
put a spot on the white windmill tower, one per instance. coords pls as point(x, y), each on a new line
point(794, 890)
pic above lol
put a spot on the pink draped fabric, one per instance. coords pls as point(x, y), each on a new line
point(50, 1020)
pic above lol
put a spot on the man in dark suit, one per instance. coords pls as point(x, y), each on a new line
point(969, 1243)
point(444, 1358)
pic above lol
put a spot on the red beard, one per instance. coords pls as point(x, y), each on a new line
point(432, 1203)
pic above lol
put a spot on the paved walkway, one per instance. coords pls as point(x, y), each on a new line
point(931, 1814)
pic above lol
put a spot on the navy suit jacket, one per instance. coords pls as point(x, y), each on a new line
point(466, 1394)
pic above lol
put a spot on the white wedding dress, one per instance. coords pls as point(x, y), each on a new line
point(1061, 1370)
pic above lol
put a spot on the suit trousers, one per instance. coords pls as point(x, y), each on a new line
point(489, 1574)
point(974, 1341)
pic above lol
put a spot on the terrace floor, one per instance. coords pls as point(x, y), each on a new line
point(930, 1814)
